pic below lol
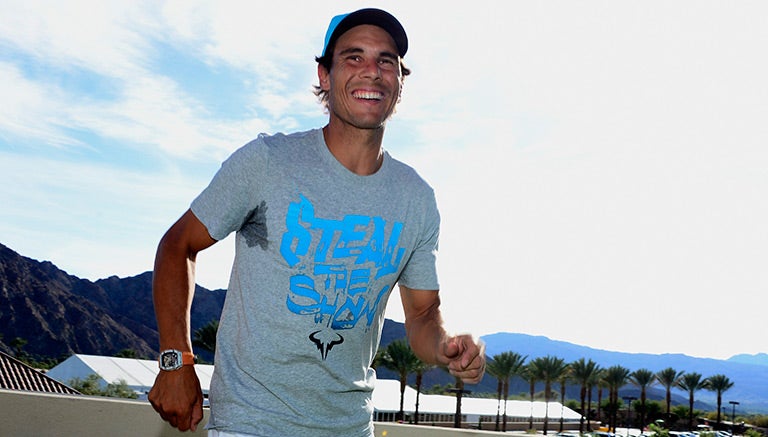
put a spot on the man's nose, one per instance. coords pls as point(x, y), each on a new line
point(372, 69)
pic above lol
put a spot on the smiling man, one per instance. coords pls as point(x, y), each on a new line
point(326, 223)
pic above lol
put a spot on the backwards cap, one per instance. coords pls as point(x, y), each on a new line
point(377, 17)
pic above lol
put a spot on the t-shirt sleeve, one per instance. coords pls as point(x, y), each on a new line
point(225, 203)
point(420, 272)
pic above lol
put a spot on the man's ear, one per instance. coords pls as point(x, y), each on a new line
point(323, 77)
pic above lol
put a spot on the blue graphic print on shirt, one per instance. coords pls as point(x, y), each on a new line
point(339, 262)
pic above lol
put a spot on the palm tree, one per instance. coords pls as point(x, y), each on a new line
point(399, 357)
point(530, 374)
point(548, 369)
point(494, 369)
point(691, 382)
point(615, 377)
point(719, 384)
point(564, 378)
point(504, 366)
point(669, 378)
point(205, 337)
point(601, 385)
point(420, 368)
point(583, 371)
point(595, 380)
point(642, 378)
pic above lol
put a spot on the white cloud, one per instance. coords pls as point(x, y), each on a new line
point(110, 44)
point(30, 110)
point(91, 220)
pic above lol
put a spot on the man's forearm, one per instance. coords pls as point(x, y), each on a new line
point(173, 282)
point(172, 290)
point(426, 333)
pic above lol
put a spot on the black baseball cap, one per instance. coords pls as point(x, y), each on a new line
point(377, 17)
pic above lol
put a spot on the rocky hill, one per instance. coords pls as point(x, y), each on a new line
point(58, 314)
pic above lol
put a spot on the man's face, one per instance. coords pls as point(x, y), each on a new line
point(365, 79)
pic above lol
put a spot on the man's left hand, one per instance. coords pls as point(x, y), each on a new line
point(465, 358)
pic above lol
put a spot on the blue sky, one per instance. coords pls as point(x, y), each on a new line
point(601, 167)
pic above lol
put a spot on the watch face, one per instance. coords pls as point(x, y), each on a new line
point(170, 360)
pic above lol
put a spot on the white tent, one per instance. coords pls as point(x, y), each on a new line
point(386, 398)
point(138, 374)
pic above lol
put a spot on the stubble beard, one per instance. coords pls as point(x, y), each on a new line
point(362, 123)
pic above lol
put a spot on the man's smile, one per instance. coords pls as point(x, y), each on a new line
point(368, 95)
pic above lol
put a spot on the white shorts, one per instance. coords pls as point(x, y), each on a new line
point(217, 433)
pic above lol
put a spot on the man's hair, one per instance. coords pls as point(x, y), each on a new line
point(327, 60)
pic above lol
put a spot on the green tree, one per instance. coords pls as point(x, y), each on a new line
point(529, 374)
point(87, 386)
point(127, 353)
point(658, 431)
point(548, 369)
point(719, 384)
point(438, 389)
point(595, 381)
point(503, 367)
point(399, 357)
point(601, 385)
point(642, 378)
point(584, 372)
point(119, 389)
point(615, 377)
point(669, 378)
point(653, 410)
point(564, 378)
point(205, 336)
point(420, 369)
point(91, 386)
point(691, 382)
point(18, 344)
point(679, 411)
point(493, 369)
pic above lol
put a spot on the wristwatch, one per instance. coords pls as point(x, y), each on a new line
point(173, 359)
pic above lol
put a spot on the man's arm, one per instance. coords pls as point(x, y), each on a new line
point(462, 355)
point(176, 395)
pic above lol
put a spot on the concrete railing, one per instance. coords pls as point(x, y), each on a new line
point(41, 414)
point(24, 413)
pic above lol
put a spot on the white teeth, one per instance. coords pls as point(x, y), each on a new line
point(368, 95)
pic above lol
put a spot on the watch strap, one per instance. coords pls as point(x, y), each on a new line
point(187, 358)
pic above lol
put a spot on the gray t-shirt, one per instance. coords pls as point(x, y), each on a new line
point(318, 251)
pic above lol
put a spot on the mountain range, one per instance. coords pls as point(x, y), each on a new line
point(55, 315)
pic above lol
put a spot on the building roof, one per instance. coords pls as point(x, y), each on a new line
point(15, 375)
point(139, 375)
